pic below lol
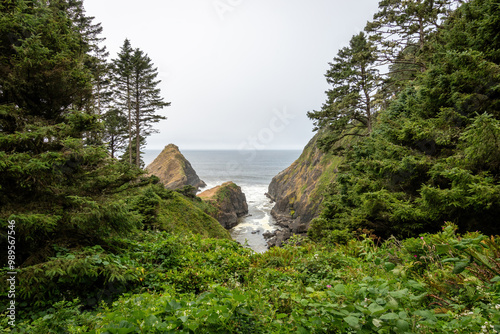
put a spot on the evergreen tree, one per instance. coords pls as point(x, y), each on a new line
point(350, 106)
point(402, 29)
point(126, 153)
point(122, 80)
point(52, 183)
point(101, 72)
point(115, 131)
point(146, 100)
point(434, 156)
point(137, 93)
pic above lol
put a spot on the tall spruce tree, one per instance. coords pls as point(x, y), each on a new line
point(122, 81)
point(146, 99)
point(137, 93)
point(350, 106)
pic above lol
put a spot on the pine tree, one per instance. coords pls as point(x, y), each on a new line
point(136, 92)
point(402, 29)
point(350, 105)
point(146, 99)
point(101, 72)
point(435, 154)
point(122, 80)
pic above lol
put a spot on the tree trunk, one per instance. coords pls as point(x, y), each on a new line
point(129, 122)
point(112, 144)
point(137, 126)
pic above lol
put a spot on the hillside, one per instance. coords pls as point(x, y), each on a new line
point(298, 191)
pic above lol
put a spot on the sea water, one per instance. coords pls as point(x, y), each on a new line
point(252, 171)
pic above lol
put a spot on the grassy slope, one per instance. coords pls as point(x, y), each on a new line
point(180, 215)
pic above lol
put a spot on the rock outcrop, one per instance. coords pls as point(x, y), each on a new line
point(174, 170)
point(298, 191)
point(229, 203)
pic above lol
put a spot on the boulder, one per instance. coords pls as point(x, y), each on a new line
point(229, 203)
point(174, 170)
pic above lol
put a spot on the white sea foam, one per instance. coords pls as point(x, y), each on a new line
point(259, 220)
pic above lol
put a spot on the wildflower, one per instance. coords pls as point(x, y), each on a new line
point(414, 255)
point(328, 286)
point(422, 238)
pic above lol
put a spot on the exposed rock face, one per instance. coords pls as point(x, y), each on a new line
point(230, 203)
point(174, 170)
point(298, 191)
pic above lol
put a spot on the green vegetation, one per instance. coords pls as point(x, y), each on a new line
point(350, 105)
point(102, 249)
point(432, 155)
point(180, 215)
point(137, 96)
point(437, 283)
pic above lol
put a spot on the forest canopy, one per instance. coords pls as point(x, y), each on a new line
point(432, 155)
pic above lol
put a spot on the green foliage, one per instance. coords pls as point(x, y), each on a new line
point(480, 144)
point(115, 131)
point(188, 191)
point(400, 27)
point(85, 268)
point(350, 105)
point(149, 201)
point(182, 215)
point(437, 283)
point(89, 274)
point(136, 88)
point(433, 155)
point(55, 177)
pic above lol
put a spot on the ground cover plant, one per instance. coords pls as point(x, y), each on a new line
point(436, 283)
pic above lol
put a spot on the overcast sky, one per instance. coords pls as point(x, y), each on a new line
point(240, 74)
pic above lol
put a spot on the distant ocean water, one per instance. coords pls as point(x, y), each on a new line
point(252, 171)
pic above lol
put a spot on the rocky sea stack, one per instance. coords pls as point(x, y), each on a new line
point(298, 191)
point(174, 170)
point(229, 201)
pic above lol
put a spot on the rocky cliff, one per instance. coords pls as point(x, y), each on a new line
point(174, 170)
point(298, 191)
point(229, 203)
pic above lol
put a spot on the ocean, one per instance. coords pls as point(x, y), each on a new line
point(252, 171)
